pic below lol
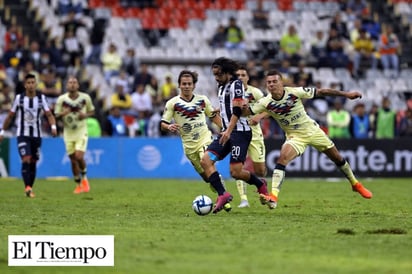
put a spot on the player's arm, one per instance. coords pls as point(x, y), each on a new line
point(254, 120)
point(85, 115)
point(166, 126)
point(217, 120)
point(334, 92)
point(52, 122)
point(6, 124)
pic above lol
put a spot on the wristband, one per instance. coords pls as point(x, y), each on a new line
point(2, 132)
point(53, 127)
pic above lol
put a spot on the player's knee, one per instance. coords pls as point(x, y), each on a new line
point(260, 171)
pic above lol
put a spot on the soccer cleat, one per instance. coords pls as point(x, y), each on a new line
point(221, 201)
point(85, 185)
point(78, 189)
point(243, 204)
point(29, 192)
point(263, 189)
point(270, 200)
point(227, 207)
point(358, 187)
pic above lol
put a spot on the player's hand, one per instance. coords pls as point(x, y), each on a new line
point(216, 111)
point(353, 95)
point(253, 121)
point(54, 132)
point(224, 137)
point(173, 127)
point(1, 138)
point(82, 116)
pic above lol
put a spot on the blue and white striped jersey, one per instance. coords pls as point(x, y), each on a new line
point(228, 93)
point(28, 114)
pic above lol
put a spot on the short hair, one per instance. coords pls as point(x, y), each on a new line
point(242, 67)
point(29, 76)
point(187, 73)
point(226, 65)
point(274, 72)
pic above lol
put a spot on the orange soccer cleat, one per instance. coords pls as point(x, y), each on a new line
point(85, 185)
point(358, 187)
point(29, 192)
point(78, 189)
point(270, 199)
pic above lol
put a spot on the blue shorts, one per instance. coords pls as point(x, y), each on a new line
point(29, 146)
point(237, 145)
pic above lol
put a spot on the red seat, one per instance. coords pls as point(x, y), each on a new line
point(118, 11)
point(96, 3)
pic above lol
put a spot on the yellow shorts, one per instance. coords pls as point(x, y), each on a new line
point(314, 137)
point(195, 158)
point(77, 145)
point(257, 150)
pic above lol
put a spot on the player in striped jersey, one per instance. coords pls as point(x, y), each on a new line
point(235, 136)
point(189, 112)
point(285, 105)
point(74, 107)
point(256, 150)
point(29, 107)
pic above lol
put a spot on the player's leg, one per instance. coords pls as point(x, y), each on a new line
point(24, 148)
point(70, 150)
point(322, 143)
point(215, 153)
point(80, 149)
point(239, 145)
point(36, 144)
point(345, 168)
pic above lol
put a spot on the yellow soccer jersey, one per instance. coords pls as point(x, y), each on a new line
point(191, 117)
point(289, 111)
point(74, 128)
point(253, 94)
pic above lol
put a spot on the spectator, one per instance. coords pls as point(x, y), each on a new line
point(71, 23)
point(96, 41)
point(290, 45)
point(121, 99)
point(168, 89)
point(339, 26)
point(260, 16)
point(385, 121)
point(55, 54)
point(359, 124)
point(123, 80)
point(34, 55)
point(13, 58)
point(234, 35)
point(405, 129)
point(143, 76)
point(303, 78)
point(153, 89)
point(27, 69)
point(372, 26)
point(373, 113)
point(115, 124)
point(67, 6)
point(338, 120)
point(286, 72)
point(130, 62)
point(318, 48)
point(336, 56)
point(143, 107)
point(112, 62)
point(13, 35)
point(402, 113)
point(355, 31)
point(50, 86)
point(72, 49)
point(357, 7)
point(364, 50)
point(218, 39)
point(388, 49)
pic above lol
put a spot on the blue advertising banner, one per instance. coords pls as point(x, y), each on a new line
point(116, 158)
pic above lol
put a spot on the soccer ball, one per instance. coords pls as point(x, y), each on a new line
point(202, 205)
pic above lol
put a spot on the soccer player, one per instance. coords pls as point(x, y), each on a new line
point(256, 150)
point(29, 106)
point(74, 107)
point(285, 105)
point(235, 136)
point(189, 112)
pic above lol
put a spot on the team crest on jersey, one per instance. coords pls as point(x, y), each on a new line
point(74, 107)
point(283, 108)
point(192, 111)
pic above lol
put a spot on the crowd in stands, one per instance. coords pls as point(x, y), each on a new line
point(355, 41)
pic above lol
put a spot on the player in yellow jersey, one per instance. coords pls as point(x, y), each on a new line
point(186, 114)
point(256, 150)
point(74, 107)
point(285, 105)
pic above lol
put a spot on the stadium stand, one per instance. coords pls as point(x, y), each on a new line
point(170, 35)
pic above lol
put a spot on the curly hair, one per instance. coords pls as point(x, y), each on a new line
point(226, 65)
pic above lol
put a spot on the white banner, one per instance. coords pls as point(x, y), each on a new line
point(61, 250)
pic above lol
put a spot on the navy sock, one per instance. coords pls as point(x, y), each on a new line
point(280, 167)
point(33, 169)
point(254, 180)
point(25, 173)
point(215, 181)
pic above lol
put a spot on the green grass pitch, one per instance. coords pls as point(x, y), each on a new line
point(318, 227)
